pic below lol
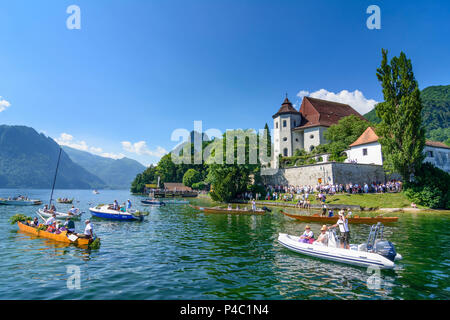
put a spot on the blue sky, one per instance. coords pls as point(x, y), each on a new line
point(138, 70)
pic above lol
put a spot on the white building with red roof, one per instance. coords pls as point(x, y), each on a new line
point(304, 129)
point(367, 150)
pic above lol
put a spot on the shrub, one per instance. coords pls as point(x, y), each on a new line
point(430, 188)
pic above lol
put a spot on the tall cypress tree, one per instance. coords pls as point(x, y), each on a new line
point(269, 140)
point(402, 135)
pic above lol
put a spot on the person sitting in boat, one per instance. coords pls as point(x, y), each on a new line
point(330, 213)
point(51, 228)
point(88, 231)
point(322, 239)
point(344, 230)
point(115, 205)
point(229, 206)
point(51, 220)
point(307, 236)
point(70, 225)
point(53, 208)
point(73, 210)
point(45, 208)
point(35, 222)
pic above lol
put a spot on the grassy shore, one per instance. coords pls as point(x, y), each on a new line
point(370, 200)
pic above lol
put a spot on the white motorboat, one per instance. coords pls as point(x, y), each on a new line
point(60, 215)
point(376, 252)
point(107, 212)
point(20, 201)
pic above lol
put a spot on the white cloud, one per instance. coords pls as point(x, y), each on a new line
point(112, 155)
point(4, 104)
point(355, 99)
point(141, 148)
point(66, 139)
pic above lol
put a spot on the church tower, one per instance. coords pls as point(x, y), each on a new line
point(284, 121)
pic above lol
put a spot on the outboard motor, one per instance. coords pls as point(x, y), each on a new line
point(386, 249)
point(377, 244)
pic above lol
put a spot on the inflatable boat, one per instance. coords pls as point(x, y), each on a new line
point(376, 252)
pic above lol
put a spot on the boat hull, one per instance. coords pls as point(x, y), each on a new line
point(318, 218)
point(152, 203)
point(59, 215)
point(62, 237)
point(112, 215)
point(353, 257)
point(20, 203)
point(226, 211)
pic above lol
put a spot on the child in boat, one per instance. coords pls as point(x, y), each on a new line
point(307, 236)
point(35, 222)
point(52, 228)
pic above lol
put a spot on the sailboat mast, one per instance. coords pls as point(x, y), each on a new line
point(54, 179)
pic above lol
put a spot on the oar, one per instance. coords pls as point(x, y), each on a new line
point(37, 211)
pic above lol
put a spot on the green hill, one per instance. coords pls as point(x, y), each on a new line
point(117, 174)
point(28, 160)
point(435, 113)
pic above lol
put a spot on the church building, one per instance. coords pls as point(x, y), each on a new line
point(304, 129)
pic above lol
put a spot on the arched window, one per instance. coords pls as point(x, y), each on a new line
point(285, 152)
point(276, 124)
point(311, 148)
point(284, 123)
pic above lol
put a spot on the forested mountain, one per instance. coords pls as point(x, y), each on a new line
point(436, 113)
point(117, 174)
point(28, 160)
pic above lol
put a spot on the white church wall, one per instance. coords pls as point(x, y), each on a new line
point(369, 153)
point(312, 137)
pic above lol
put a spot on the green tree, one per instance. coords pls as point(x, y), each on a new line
point(231, 179)
point(401, 133)
point(191, 176)
point(342, 134)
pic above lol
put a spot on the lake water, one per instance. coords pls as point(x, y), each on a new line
point(177, 253)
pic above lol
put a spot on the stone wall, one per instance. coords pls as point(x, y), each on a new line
point(329, 172)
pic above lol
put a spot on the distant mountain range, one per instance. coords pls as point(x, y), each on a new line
point(436, 113)
point(28, 160)
point(117, 174)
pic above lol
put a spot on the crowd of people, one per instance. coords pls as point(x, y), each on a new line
point(52, 225)
point(278, 192)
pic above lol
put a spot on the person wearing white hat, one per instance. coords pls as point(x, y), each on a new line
point(88, 231)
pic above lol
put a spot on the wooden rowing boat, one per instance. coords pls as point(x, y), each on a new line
point(68, 201)
point(61, 237)
point(227, 211)
point(355, 219)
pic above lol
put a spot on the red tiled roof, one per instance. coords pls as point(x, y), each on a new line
point(368, 136)
point(286, 108)
point(317, 112)
point(436, 144)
